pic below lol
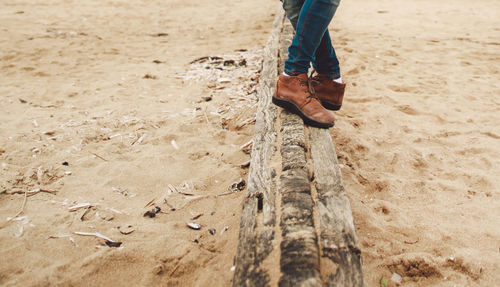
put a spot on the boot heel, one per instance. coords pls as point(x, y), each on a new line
point(330, 106)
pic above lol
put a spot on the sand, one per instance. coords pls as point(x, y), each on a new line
point(79, 85)
point(418, 138)
point(101, 104)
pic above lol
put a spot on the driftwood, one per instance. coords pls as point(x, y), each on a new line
point(296, 227)
point(255, 242)
point(299, 247)
point(338, 240)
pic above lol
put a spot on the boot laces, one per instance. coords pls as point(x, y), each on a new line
point(310, 89)
point(311, 79)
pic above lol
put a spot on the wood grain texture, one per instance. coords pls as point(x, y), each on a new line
point(303, 247)
point(338, 240)
point(254, 244)
point(300, 265)
point(299, 261)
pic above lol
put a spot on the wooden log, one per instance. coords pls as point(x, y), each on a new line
point(255, 243)
point(299, 262)
point(338, 240)
point(301, 206)
point(285, 41)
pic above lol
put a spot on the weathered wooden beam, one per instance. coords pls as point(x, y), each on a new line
point(310, 221)
point(255, 244)
point(338, 240)
point(299, 261)
point(300, 265)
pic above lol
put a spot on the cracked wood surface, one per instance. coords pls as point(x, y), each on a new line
point(296, 209)
point(254, 246)
point(338, 240)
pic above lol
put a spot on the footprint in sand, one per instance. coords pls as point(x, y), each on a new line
point(356, 70)
point(408, 110)
point(403, 89)
point(414, 265)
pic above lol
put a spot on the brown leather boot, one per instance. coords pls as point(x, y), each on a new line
point(329, 92)
point(293, 93)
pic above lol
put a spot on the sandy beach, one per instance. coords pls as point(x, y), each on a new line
point(111, 110)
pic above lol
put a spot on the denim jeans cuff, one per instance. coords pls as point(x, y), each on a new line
point(293, 72)
point(331, 75)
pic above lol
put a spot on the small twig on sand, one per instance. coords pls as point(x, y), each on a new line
point(196, 216)
point(192, 199)
point(172, 208)
point(211, 126)
point(187, 193)
point(245, 164)
point(172, 188)
point(33, 192)
point(244, 123)
point(226, 193)
point(411, 242)
point(150, 202)
point(19, 212)
point(99, 156)
point(247, 145)
point(79, 206)
point(65, 236)
point(206, 117)
point(95, 234)
point(175, 269)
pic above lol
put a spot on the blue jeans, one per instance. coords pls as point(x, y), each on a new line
point(311, 43)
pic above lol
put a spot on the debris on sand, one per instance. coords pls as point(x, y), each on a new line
point(149, 76)
point(159, 34)
point(196, 215)
point(174, 144)
point(113, 244)
point(226, 228)
point(126, 230)
point(238, 185)
point(122, 191)
point(32, 192)
point(396, 278)
point(207, 99)
point(65, 235)
point(79, 206)
point(194, 225)
point(152, 213)
point(247, 147)
point(105, 215)
point(245, 164)
point(95, 234)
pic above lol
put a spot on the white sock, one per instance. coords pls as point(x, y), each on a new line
point(285, 74)
point(339, 80)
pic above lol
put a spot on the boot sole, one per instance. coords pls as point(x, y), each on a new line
point(291, 107)
point(330, 106)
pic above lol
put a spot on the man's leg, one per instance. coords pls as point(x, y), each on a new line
point(292, 10)
point(310, 26)
point(293, 92)
point(330, 93)
point(325, 59)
